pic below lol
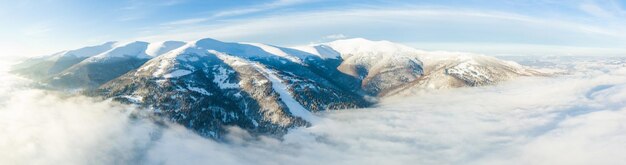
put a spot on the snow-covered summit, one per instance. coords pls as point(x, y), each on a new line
point(240, 49)
point(346, 48)
point(135, 49)
point(232, 48)
point(83, 52)
point(91, 50)
point(159, 48)
point(364, 47)
point(322, 51)
point(278, 51)
point(357, 46)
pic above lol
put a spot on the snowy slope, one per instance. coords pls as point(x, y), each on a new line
point(135, 49)
point(322, 51)
point(207, 90)
point(361, 46)
point(46, 66)
point(276, 51)
point(286, 96)
point(380, 65)
point(159, 48)
point(347, 48)
point(90, 50)
point(83, 52)
point(386, 67)
point(99, 69)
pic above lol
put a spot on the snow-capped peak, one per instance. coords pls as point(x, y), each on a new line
point(84, 52)
point(242, 49)
point(275, 51)
point(236, 49)
point(91, 50)
point(159, 48)
point(364, 46)
point(321, 51)
point(346, 48)
point(135, 49)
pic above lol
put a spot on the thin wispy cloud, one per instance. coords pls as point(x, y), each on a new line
point(606, 9)
point(237, 12)
point(37, 30)
point(264, 7)
point(171, 2)
point(596, 10)
point(335, 36)
point(405, 21)
point(185, 21)
point(135, 9)
point(554, 23)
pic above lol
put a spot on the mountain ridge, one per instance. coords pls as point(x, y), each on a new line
point(265, 89)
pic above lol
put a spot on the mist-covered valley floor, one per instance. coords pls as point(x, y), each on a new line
point(574, 118)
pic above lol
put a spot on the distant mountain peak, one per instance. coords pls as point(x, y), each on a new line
point(90, 50)
point(361, 45)
point(136, 49)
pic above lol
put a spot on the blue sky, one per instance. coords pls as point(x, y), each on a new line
point(496, 27)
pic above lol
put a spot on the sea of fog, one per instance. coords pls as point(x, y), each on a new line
point(576, 118)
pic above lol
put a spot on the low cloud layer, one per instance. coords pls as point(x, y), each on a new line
point(572, 119)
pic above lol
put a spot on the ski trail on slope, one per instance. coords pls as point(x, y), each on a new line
point(294, 106)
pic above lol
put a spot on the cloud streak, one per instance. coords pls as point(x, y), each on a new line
point(236, 12)
point(335, 36)
point(426, 25)
point(259, 8)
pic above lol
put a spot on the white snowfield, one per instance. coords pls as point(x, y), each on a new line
point(276, 51)
point(91, 50)
point(135, 49)
point(347, 48)
point(159, 48)
point(322, 51)
point(355, 46)
point(177, 73)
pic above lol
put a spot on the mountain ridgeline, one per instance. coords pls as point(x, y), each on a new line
point(208, 85)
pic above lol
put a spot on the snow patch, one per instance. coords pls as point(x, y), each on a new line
point(199, 90)
point(177, 73)
point(163, 64)
point(221, 78)
point(468, 68)
point(238, 63)
point(133, 99)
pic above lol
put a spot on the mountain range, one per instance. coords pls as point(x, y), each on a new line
point(207, 85)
